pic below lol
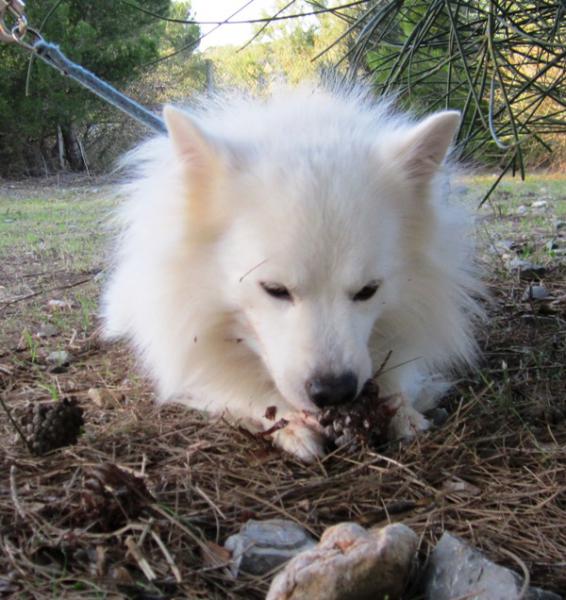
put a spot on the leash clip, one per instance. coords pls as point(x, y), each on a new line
point(16, 32)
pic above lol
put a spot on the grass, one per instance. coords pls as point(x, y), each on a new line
point(505, 438)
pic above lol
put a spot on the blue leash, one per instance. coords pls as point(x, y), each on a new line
point(51, 55)
point(14, 30)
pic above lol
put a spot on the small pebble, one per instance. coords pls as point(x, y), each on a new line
point(438, 416)
point(535, 292)
point(554, 244)
point(101, 397)
point(47, 330)
point(261, 546)
point(59, 358)
point(539, 204)
point(58, 304)
point(527, 270)
point(456, 570)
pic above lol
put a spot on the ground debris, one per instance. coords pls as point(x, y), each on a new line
point(505, 435)
point(111, 496)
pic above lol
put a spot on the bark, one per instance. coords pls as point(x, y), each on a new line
point(72, 149)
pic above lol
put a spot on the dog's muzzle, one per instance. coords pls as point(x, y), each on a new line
point(330, 390)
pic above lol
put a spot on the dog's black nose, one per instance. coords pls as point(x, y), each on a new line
point(330, 390)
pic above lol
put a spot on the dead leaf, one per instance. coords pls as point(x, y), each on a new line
point(214, 555)
point(459, 487)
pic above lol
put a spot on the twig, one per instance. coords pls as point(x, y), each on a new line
point(136, 553)
point(526, 574)
point(14, 494)
point(168, 557)
point(15, 424)
point(46, 291)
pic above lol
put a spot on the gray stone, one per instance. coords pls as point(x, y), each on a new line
point(350, 563)
point(47, 330)
point(59, 358)
point(456, 570)
point(539, 204)
point(102, 397)
point(58, 304)
point(554, 244)
point(261, 546)
point(438, 416)
point(527, 270)
point(522, 210)
point(509, 246)
point(535, 292)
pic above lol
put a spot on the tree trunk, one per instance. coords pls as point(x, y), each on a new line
point(61, 148)
point(72, 150)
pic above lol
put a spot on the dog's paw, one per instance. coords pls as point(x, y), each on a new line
point(301, 438)
point(407, 422)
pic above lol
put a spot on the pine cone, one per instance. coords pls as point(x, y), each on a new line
point(365, 421)
point(51, 426)
point(112, 496)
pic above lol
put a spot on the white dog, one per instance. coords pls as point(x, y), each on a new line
point(275, 251)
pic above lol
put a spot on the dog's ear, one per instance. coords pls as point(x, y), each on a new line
point(203, 166)
point(423, 149)
point(189, 142)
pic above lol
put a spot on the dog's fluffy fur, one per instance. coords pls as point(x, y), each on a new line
point(320, 192)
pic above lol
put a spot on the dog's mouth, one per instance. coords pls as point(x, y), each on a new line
point(365, 420)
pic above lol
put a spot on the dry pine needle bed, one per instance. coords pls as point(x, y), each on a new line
point(140, 506)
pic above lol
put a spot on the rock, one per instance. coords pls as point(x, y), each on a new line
point(58, 304)
point(527, 270)
point(509, 245)
point(261, 546)
point(456, 570)
point(539, 204)
point(560, 225)
point(59, 358)
point(554, 244)
point(522, 210)
point(47, 330)
point(535, 292)
point(101, 397)
point(438, 416)
point(350, 563)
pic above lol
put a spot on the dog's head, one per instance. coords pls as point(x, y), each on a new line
point(312, 231)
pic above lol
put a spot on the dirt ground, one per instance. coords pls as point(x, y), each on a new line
point(74, 526)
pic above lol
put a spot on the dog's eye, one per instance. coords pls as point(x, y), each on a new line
point(276, 290)
point(367, 292)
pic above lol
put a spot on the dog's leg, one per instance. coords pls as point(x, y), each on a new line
point(408, 421)
point(403, 388)
point(258, 407)
point(302, 437)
